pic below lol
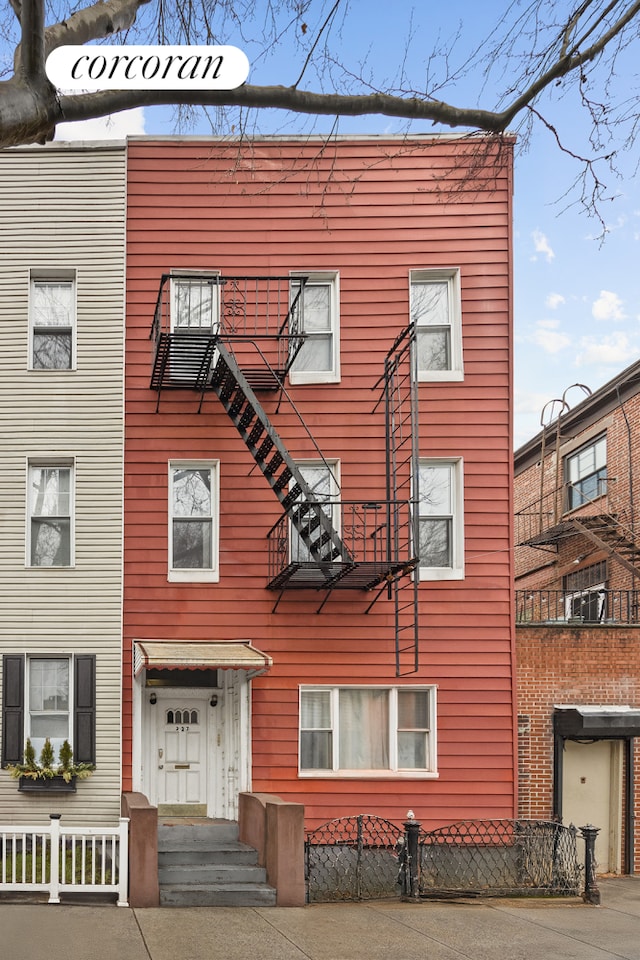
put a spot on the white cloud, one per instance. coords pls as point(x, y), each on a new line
point(114, 127)
point(542, 246)
point(550, 339)
point(615, 350)
point(608, 306)
point(554, 300)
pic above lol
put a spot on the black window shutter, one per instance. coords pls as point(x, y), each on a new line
point(12, 709)
point(84, 714)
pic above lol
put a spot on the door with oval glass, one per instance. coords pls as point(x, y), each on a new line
point(182, 753)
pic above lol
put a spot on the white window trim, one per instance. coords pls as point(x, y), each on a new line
point(323, 376)
point(53, 275)
point(196, 575)
point(431, 773)
point(28, 733)
point(191, 276)
point(456, 570)
point(452, 276)
point(44, 462)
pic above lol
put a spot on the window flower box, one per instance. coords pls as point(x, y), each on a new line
point(56, 784)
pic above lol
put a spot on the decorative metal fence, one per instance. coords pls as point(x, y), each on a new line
point(366, 857)
point(499, 857)
point(57, 859)
point(353, 858)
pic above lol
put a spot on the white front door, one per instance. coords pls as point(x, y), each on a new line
point(181, 737)
point(194, 750)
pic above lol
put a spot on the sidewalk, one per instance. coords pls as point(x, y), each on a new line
point(382, 930)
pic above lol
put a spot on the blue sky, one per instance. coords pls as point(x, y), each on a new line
point(577, 298)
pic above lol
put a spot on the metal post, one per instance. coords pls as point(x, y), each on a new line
point(411, 884)
point(591, 893)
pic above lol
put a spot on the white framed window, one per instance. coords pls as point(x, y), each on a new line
point(441, 519)
point(48, 707)
point(319, 358)
point(586, 473)
point(50, 503)
point(367, 731)
point(323, 478)
point(52, 320)
point(193, 520)
point(195, 303)
point(435, 309)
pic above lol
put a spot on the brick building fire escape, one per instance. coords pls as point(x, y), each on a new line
point(239, 336)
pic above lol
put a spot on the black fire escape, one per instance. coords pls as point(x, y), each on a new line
point(239, 336)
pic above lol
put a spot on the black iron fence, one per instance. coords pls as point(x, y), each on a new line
point(366, 857)
point(577, 606)
point(499, 858)
point(353, 858)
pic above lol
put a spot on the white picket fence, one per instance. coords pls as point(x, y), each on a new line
point(61, 859)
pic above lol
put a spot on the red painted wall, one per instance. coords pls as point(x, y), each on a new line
point(371, 209)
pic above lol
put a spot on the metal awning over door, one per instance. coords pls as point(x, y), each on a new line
point(200, 655)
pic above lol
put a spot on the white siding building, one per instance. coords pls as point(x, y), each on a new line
point(62, 219)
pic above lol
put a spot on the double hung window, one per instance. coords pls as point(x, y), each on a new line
point(48, 701)
point(50, 507)
point(318, 360)
point(436, 313)
point(193, 521)
point(52, 321)
point(440, 520)
point(367, 730)
point(586, 473)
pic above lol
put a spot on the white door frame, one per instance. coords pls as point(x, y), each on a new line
point(228, 730)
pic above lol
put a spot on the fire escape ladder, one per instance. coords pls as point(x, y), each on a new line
point(402, 470)
point(306, 514)
point(607, 532)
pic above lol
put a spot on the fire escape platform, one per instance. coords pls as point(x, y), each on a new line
point(357, 575)
point(552, 535)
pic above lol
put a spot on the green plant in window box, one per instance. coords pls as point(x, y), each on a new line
point(46, 768)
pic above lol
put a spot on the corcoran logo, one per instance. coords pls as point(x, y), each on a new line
point(147, 68)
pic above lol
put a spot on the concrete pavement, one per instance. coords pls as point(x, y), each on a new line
point(381, 930)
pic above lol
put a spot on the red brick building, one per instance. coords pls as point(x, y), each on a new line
point(329, 324)
point(577, 561)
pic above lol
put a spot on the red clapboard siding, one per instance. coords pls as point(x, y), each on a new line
point(372, 209)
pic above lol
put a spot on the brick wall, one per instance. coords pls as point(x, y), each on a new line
point(570, 665)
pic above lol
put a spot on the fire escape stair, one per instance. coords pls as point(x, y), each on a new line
point(326, 549)
point(606, 532)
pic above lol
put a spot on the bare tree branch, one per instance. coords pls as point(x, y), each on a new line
point(96, 22)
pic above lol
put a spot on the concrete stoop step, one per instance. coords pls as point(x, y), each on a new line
point(205, 865)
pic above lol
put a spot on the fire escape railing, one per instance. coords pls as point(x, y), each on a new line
point(377, 535)
point(242, 311)
point(549, 511)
